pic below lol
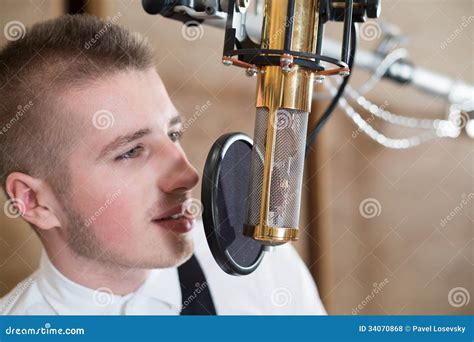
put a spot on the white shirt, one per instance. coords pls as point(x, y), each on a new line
point(281, 285)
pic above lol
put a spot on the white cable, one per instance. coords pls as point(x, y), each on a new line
point(445, 128)
point(377, 136)
point(382, 68)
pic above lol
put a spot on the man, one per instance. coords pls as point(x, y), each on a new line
point(94, 165)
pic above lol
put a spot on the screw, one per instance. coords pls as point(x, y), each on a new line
point(344, 73)
point(286, 68)
point(319, 78)
point(210, 10)
point(285, 62)
point(251, 72)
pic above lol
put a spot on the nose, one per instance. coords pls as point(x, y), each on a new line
point(178, 175)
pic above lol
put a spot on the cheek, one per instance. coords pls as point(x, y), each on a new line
point(117, 213)
point(106, 208)
point(114, 226)
point(115, 217)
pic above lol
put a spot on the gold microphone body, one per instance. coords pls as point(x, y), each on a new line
point(283, 104)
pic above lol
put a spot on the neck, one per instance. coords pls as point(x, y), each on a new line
point(96, 274)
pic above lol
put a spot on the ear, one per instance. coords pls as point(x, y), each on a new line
point(34, 200)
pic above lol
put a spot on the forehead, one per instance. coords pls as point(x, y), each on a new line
point(119, 103)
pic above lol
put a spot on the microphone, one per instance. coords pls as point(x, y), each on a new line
point(287, 63)
point(283, 105)
point(251, 189)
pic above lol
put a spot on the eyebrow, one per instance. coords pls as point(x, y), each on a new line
point(176, 120)
point(125, 139)
point(122, 140)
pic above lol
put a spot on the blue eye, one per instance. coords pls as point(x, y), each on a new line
point(130, 154)
point(175, 135)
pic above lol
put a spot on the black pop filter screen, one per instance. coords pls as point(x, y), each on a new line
point(232, 199)
point(225, 195)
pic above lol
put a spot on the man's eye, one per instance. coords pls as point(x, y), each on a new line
point(130, 154)
point(175, 135)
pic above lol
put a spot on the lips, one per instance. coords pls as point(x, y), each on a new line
point(175, 219)
point(172, 213)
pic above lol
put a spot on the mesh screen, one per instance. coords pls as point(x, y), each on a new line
point(287, 167)
point(232, 189)
point(256, 173)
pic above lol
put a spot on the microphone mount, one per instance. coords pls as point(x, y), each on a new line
point(241, 51)
point(252, 56)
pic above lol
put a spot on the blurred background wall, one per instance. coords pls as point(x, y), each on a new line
point(403, 258)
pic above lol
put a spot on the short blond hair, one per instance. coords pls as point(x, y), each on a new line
point(69, 51)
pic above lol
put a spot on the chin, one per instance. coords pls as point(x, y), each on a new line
point(166, 250)
point(168, 255)
point(179, 256)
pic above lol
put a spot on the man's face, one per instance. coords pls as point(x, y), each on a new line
point(127, 170)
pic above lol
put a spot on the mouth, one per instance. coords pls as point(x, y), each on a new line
point(176, 220)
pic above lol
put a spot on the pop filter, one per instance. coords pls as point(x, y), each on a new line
point(225, 187)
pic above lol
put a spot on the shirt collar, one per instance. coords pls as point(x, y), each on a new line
point(159, 294)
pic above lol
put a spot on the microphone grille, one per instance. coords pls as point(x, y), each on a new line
point(288, 151)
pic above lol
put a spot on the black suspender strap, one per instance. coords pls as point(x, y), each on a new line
point(196, 295)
